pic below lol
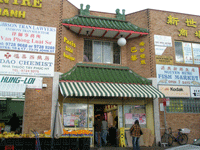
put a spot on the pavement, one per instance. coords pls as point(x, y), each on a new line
point(129, 148)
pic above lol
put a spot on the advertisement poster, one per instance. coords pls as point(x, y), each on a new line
point(195, 92)
point(128, 118)
point(196, 53)
point(175, 91)
point(142, 118)
point(31, 82)
point(135, 117)
point(187, 50)
point(24, 37)
point(177, 75)
point(27, 64)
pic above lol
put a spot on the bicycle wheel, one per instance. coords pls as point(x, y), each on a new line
point(167, 138)
point(182, 139)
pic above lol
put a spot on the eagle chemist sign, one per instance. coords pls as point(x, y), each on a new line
point(28, 64)
point(23, 37)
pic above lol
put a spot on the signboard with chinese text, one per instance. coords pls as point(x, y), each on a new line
point(23, 37)
point(161, 40)
point(166, 60)
point(196, 53)
point(195, 92)
point(175, 91)
point(27, 64)
point(187, 53)
point(31, 82)
point(177, 75)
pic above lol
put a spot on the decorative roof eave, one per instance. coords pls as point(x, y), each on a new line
point(103, 32)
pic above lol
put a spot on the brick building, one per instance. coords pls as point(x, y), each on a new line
point(86, 84)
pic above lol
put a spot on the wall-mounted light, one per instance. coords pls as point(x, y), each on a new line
point(121, 41)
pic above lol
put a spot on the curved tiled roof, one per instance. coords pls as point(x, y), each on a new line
point(104, 22)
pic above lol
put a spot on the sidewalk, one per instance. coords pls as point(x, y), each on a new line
point(129, 148)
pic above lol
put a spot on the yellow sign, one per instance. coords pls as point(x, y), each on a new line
point(166, 60)
point(68, 57)
point(122, 139)
point(17, 13)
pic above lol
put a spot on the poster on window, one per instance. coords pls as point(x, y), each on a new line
point(128, 118)
point(25, 37)
point(187, 50)
point(196, 53)
point(135, 117)
point(142, 118)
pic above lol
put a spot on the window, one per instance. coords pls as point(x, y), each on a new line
point(101, 52)
point(184, 105)
point(75, 115)
point(188, 53)
point(134, 112)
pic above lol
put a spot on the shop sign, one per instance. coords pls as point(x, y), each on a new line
point(195, 92)
point(17, 13)
point(31, 82)
point(68, 49)
point(161, 40)
point(136, 54)
point(23, 37)
point(175, 91)
point(166, 60)
point(27, 64)
point(177, 75)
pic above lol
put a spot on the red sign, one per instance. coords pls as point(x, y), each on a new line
point(164, 101)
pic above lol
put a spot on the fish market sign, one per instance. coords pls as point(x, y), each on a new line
point(28, 64)
point(177, 75)
point(23, 37)
point(30, 82)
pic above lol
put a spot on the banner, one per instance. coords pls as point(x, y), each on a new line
point(30, 82)
point(177, 75)
point(27, 64)
point(23, 37)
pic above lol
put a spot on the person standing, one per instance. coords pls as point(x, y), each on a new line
point(135, 132)
point(14, 122)
point(104, 131)
point(97, 129)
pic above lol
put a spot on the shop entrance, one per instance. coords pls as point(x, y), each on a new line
point(109, 113)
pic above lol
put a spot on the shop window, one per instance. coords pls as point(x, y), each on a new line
point(134, 112)
point(101, 52)
point(184, 106)
point(186, 52)
point(75, 115)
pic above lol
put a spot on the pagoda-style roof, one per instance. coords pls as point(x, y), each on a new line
point(86, 24)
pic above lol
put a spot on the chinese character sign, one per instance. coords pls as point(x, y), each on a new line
point(28, 64)
point(134, 50)
point(23, 37)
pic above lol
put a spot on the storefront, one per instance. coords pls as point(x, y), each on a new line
point(96, 91)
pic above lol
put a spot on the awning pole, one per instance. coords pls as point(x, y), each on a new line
point(54, 124)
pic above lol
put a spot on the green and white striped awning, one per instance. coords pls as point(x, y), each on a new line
point(94, 89)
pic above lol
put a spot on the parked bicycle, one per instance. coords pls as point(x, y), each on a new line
point(181, 138)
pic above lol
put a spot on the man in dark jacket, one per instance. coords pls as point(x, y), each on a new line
point(97, 129)
point(14, 122)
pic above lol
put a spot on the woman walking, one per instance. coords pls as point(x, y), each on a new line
point(136, 133)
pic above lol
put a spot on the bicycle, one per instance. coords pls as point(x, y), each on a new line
point(181, 138)
point(168, 138)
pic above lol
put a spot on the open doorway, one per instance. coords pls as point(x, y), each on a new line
point(109, 114)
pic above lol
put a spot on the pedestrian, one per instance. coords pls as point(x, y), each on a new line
point(136, 132)
point(14, 122)
point(97, 130)
point(104, 131)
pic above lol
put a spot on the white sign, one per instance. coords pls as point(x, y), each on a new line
point(195, 92)
point(160, 40)
point(23, 37)
point(177, 75)
point(30, 82)
point(187, 53)
point(159, 50)
point(28, 64)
